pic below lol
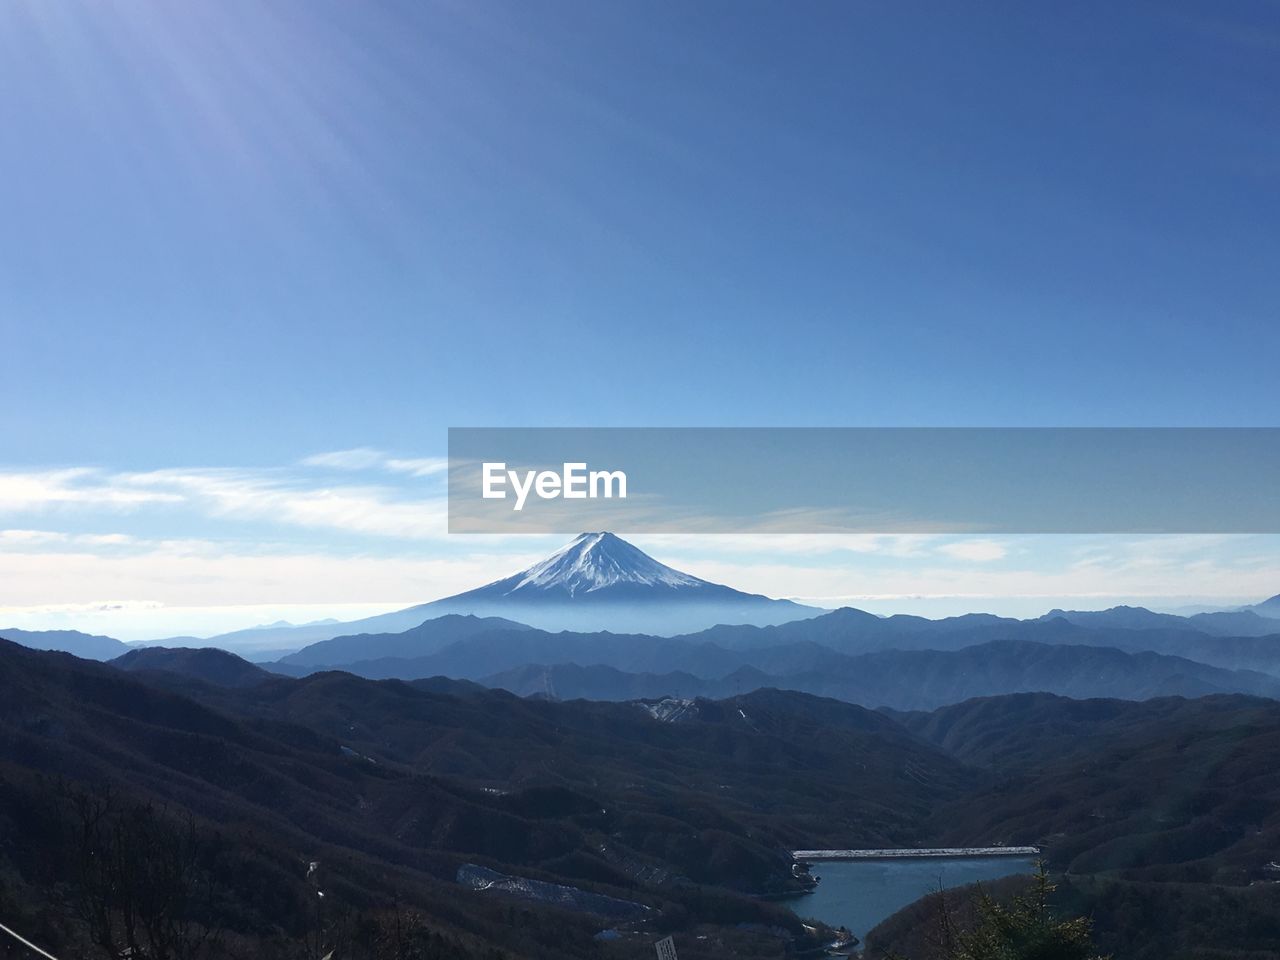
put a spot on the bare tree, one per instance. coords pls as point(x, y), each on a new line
point(146, 888)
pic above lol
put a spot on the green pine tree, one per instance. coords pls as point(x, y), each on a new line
point(1025, 928)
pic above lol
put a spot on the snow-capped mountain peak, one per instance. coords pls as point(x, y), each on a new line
point(601, 582)
point(594, 561)
point(598, 582)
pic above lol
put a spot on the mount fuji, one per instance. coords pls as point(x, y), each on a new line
point(601, 582)
point(597, 582)
point(592, 567)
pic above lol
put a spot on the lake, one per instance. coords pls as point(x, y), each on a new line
point(858, 894)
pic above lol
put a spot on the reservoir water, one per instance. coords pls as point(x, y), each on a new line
point(858, 894)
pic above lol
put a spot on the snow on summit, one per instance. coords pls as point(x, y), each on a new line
point(597, 560)
point(601, 582)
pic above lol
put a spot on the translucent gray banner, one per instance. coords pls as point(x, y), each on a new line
point(865, 480)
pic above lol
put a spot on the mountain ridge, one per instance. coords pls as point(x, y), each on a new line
point(87, 645)
point(208, 664)
point(907, 680)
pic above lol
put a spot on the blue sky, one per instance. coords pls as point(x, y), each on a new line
point(237, 236)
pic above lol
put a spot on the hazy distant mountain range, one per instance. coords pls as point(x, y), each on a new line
point(88, 646)
point(1267, 608)
point(1253, 621)
point(514, 634)
point(427, 637)
point(606, 666)
point(916, 679)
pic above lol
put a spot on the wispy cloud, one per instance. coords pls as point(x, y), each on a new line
point(25, 490)
point(357, 458)
point(271, 497)
point(419, 466)
point(283, 499)
point(39, 538)
point(916, 546)
point(59, 571)
point(368, 458)
point(980, 550)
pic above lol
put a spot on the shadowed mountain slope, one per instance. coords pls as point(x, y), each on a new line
point(394, 789)
point(213, 666)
